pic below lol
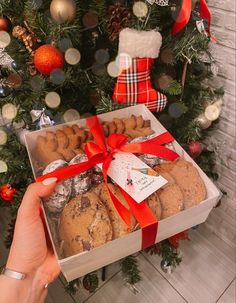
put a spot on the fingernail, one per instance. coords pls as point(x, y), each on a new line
point(49, 181)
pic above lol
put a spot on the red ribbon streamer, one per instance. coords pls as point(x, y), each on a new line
point(205, 13)
point(185, 13)
point(183, 17)
point(102, 152)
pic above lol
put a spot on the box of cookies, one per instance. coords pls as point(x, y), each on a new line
point(106, 185)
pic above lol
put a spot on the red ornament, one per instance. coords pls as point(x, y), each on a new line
point(7, 192)
point(47, 58)
point(5, 24)
point(194, 149)
point(174, 240)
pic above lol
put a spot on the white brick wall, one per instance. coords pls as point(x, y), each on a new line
point(222, 220)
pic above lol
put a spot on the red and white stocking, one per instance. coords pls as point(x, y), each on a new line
point(137, 51)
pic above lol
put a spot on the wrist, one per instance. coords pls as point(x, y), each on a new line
point(13, 290)
point(15, 265)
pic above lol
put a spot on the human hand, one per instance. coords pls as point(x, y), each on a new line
point(29, 251)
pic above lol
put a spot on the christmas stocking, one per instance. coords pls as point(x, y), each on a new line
point(137, 50)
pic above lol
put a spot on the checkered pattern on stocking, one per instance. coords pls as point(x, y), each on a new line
point(134, 86)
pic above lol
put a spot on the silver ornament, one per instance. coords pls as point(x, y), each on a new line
point(5, 59)
point(166, 267)
point(203, 122)
point(201, 27)
point(40, 115)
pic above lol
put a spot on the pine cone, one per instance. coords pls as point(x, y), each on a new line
point(119, 16)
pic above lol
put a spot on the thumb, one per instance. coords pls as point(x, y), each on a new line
point(31, 201)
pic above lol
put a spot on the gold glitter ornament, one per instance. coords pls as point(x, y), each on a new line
point(63, 10)
point(140, 9)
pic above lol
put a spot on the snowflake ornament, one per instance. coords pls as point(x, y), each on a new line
point(159, 2)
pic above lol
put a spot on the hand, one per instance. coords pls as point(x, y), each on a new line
point(29, 251)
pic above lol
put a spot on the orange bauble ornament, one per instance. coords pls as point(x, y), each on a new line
point(5, 24)
point(47, 58)
point(7, 192)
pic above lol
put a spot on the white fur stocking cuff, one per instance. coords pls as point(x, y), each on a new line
point(140, 44)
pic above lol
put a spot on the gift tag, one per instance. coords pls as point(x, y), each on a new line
point(134, 176)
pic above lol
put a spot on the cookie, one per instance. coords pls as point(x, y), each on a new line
point(146, 123)
point(105, 129)
point(111, 127)
point(63, 148)
point(139, 121)
point(80, 132)
point(133, 133)
point(188, 179)
point(165, 175)
point(130, 123)
point(89, 136)
point(68, 130)
point(61, 195)
point(118, 225)
point(97, 175)
point(74, 140)
point(82, 182)
point(148, 159)
point(138, 132)
point(45, 150)
point(145, 131)
point(154, 204)
point(84, 224)
point(120, 126)
point(172, 200)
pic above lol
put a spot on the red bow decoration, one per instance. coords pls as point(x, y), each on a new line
point(185, 13)
point(102, 152)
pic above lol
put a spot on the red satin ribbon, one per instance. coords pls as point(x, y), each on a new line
point(185, 13)
point(102, 152)
point(183, 17)
point(205, 13)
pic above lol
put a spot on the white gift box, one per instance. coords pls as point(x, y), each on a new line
point(88, 261)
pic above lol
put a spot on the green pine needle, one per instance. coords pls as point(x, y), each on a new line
point(130, 270)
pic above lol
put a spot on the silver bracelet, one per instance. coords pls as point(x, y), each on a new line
point(13, 274)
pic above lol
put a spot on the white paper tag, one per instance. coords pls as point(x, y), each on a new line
point(134, 176)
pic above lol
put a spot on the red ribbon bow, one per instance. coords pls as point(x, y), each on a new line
point(185, 13)
point(102, 152)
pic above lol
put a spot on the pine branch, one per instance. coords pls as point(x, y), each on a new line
point(90, 282)
point(99, 7)
point(106, 105)
point(130, 270)
point(173, 89)
point(73, 286)
point(166, 251)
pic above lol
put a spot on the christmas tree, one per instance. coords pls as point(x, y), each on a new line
point(58, 62)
